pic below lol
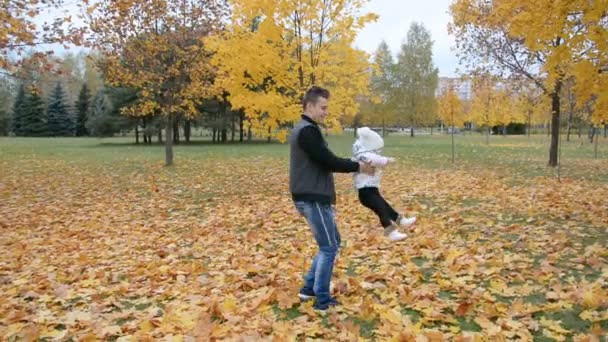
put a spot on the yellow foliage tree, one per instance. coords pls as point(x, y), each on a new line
point(451, 110)
point(534, 106)
point(483, 104)
point(545, 41)
point(505, 107)
point(275, 49)
point(156, 48)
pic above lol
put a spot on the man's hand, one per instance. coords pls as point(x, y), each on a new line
point(367, 168)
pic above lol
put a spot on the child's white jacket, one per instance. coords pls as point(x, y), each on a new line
point(360, 154)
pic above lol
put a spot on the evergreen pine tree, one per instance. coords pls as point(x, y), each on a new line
point(60, 122)
point(33, 123)
point(82, 109)
point(18, 111)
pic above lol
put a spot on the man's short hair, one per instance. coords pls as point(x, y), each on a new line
point(313, 94)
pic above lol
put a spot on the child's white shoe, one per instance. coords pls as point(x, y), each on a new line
point(395, 235)
point(407, 222)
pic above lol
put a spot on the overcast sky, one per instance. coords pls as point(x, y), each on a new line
point(396, 16)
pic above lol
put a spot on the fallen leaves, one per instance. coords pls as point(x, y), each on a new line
point(193, 253)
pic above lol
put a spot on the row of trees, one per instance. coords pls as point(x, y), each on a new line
point(31, 118)
point(34, 114)
point(402, 91)
point(548, 43)
point(255, 58)
point(498, 103)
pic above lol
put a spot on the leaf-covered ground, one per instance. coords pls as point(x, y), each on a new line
point(213, 249)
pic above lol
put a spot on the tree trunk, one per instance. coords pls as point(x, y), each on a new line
point(144, 129)
point(187, 130)
point(569, 127)
point(241, 122)
point(249, 133)
point(453, 152)
point(137, 133)
point(169, 141)
point(355, 132)
point(432, 130)
point(591, 134)
point(176, 131)
point(412, 131)
point(232, 127)
point(597, 137)
point(605, 131)
point(214, 132)
point(528, 124)
point(488, 135)
point(224, 135)
point(160, 134)
point(553, 158)
point(269, 134)
point(383, 128)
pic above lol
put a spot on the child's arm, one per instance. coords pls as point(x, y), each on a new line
point(376, 160)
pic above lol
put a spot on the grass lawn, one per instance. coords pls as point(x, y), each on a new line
point(100, 241)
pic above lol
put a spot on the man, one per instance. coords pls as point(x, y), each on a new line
point(311, 182)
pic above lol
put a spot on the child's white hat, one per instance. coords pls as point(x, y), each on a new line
point(370, 140)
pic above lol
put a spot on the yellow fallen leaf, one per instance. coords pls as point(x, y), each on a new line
point(498, 284)
point(553, 326)
point(392, 316)
point(229, 304)
point(146, 326)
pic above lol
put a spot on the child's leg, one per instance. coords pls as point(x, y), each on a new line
point(371, 198)
point(393, 214)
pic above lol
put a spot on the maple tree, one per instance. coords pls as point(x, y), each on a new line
point(483, 104)
point(451, 110)
point(505, 107)
point(156, 49)
point(274, 50)
point(544, 41)
point(532, 104)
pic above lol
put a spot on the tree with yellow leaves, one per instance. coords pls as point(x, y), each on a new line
point(274, 50)
point(451, 110)
point(544, 41)
point(483, 104)
point(505, 107)
point(532, 104)
point(156, 48)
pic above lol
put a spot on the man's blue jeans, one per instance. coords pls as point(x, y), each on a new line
point(320, 218)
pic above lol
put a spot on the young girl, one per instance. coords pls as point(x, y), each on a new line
point(367, 148)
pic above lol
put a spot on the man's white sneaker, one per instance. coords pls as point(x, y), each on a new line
point(305, 297)
point(395, 235)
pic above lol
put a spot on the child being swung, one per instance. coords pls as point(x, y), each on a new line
point(368, 148)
